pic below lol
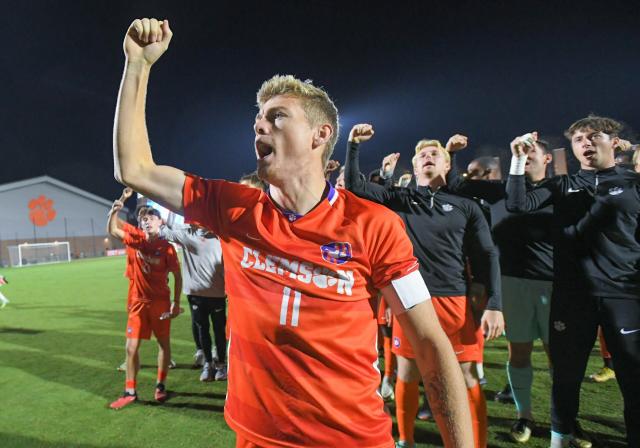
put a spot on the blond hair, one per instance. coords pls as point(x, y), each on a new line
point(318, 107)
point(425, 143)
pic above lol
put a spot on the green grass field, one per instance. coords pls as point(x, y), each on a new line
point(62, 336)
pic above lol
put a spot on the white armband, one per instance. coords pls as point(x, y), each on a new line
point(411, 290)
point(517, 165)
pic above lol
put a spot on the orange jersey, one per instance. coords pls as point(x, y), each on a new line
point(131, 253)
point(152, 262)
point(302, 309)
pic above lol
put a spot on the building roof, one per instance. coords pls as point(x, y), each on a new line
point(58, 183)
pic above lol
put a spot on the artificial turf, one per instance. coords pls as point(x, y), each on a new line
point(62, 337)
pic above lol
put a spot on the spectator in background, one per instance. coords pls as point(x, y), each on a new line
point(484, 168)
point(203, 284)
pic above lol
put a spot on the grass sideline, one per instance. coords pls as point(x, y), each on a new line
point(62, 336)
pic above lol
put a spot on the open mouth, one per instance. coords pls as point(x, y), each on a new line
point(263, 149)
point(589, 153)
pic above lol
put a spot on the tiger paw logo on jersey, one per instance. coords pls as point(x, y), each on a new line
point(41, 211)
point(336, 253)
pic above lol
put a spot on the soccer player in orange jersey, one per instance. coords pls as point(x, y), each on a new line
point(303, 264)
point(149, 293)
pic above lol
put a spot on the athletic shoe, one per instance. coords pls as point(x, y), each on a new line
point(172, 364)
point(405, 444)
point(505, 395)
point(386, 390)
point(603, 375)
point(221, 372)
point(161, 393)
point(580, 438)
point(521, 430)
point(198, 359)
point(207, 373)
point(483, 381)
point(122, 367)
point(123, 401)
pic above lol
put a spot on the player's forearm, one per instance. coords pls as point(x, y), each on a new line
point(112, 225)
point(177, 287)
point(132, 151)
point(445, 388)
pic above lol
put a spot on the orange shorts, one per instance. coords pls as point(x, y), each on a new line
point(381, 316)
point(456, 319)
point(144, 318)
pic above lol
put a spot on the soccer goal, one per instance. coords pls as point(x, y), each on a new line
point(39, 253)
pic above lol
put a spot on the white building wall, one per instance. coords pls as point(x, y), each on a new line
point(73, 210)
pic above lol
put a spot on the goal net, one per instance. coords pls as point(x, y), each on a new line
point(39, 253)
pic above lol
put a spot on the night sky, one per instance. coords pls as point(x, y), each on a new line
point(490, 70)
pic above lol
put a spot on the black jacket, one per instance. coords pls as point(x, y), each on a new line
point(595, 226)
point(524, 240)
point(444, 228)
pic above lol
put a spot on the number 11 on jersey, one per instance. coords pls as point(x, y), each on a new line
point(284, 307)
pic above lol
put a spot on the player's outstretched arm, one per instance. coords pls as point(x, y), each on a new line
point(146, 40)
point(114, 227)
point(440, 371)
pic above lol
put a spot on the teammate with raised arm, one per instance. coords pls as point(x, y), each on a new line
point(444, 229)
point(526, 263)
point(149, 304)
point(596, 277)
point(303, 264)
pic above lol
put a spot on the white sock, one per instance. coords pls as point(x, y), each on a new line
point(480, 370)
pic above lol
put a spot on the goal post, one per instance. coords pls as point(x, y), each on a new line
point(40, 253)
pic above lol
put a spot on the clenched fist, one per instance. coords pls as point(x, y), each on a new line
point(520, 145)
point(456, 143)
point(361, 133)
point(389, 164)
point(147, 40)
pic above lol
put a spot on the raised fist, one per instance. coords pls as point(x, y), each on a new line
point(117, 206)
point(520, 146)
point(332, 165)
point(457, 142)
point(146, 40)
point(361, 133)
point(389, 163)
point(126, 194)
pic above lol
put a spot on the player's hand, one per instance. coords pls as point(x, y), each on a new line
point(146, 40)
point(457, 142)
point(332, 165)
point(126, 194)
point(624, 145)
point(521, 145)
point(117, 206)
point(389, 163)
point(361, 133)
point(175, 310)
point(492, 323)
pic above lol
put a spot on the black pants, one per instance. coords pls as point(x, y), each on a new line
point(573, 330)
point(204, 309)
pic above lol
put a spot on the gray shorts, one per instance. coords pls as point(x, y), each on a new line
point(525, 305)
